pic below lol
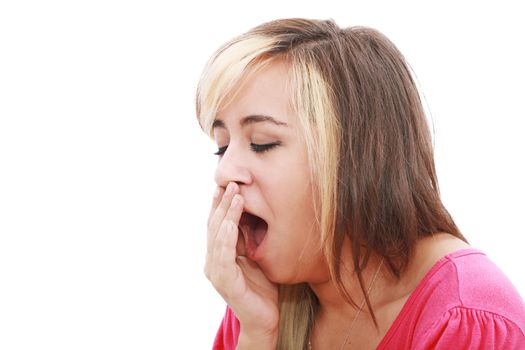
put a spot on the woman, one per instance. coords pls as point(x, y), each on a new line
point(327, 230)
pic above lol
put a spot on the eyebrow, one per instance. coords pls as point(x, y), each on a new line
point(250, 119)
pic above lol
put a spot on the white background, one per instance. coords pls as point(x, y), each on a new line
point(106, 178)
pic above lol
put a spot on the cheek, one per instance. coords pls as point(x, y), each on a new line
point(295, 246)
point(296, 260)
point(290, 197)
point(294, 255)
point(289, 186)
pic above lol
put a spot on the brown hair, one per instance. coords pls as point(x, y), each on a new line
point(368, 141)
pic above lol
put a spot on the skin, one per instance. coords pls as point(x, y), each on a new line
point(275, 185)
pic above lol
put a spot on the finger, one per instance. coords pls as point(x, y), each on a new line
point(217, 196)
point(241, 245)
point(225, 271)
point(254, 275)
point(235, 210)
point(223, 252)
point(256, 279)
point(217, 216)
point(233, 215)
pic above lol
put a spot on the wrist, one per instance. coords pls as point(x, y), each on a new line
point(257, 340)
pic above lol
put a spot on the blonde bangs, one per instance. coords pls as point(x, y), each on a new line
point(223, 73)
point(314, 102)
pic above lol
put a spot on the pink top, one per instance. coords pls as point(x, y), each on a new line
point(463, 302)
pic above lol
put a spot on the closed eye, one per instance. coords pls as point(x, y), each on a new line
point(221, 151)
point(263, 148)
point(257, 148)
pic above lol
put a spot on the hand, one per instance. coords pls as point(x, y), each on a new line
point(240, 281)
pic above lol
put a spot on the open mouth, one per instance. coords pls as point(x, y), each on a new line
point(253, 229)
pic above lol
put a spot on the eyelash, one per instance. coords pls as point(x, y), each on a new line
point(255, 147)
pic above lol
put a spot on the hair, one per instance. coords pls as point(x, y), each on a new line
point(369, 146)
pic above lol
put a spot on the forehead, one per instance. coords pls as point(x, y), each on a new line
point(266, 91)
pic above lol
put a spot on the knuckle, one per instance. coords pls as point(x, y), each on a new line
point(213, 228)
point(206, 269)
point(219, 238)
point(216, 283)
point(212, 218)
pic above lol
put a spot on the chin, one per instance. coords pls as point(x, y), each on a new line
point(317, 272)
point(278, 275)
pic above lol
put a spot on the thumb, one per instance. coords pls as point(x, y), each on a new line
point(254, 275)
point(247, 266)
point(241, 246)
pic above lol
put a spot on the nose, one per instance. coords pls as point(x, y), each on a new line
point(233, 166)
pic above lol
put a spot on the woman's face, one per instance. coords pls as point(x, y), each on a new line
point(266, 156)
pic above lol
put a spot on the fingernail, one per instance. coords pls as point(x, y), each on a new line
point(235, 201)
point(217, 192)
point(229, 188)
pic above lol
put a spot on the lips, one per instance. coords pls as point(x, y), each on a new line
point(253, 229)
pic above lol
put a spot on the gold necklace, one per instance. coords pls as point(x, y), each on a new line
point(358, 312)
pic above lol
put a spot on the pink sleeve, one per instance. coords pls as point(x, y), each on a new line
point(228, 334)
point(464, 328)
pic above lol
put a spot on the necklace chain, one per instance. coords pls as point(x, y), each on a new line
point(358, 311)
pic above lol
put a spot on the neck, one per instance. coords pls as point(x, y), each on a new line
point(387, 289)
point(377, 279)
point(332, 301)
point(337, 318)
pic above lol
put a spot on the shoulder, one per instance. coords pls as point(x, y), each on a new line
point(470, 328)
point(482, 285)
point(471, 301)
point(457, 275)
point(464, 299)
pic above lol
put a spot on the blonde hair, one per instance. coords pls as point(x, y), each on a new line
point(367, 139)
